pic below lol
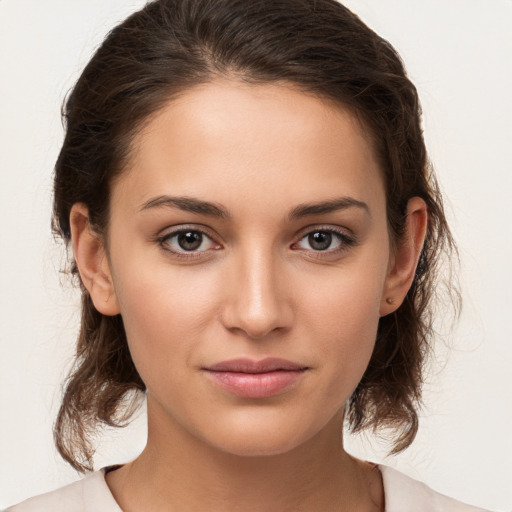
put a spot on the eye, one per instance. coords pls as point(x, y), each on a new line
point(326, 240)
point(187, 242)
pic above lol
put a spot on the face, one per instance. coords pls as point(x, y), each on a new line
point(249, 254)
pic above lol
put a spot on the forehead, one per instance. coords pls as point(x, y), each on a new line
point(228, 140)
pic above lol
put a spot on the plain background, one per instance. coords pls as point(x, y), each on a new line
point(459, 54)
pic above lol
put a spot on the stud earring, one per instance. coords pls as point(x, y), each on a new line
point(389, 300)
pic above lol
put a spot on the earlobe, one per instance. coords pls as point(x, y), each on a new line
point(405, 259)
point(92, 262)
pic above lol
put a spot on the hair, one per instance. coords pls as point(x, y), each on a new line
point(316, 46)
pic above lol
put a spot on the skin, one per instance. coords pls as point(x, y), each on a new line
point(256, 287)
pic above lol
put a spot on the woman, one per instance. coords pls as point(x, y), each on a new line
point(256, 228)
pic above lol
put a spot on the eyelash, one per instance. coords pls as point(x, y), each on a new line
point(345, 240)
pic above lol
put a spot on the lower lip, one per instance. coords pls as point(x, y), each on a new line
point(256, 385)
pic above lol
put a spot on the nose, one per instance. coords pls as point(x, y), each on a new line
point(257, 298)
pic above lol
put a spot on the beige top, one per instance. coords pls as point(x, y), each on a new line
point(92, 494)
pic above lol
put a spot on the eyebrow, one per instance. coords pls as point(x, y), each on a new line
point(188, 204)
point(332, 205)
point(191, 204)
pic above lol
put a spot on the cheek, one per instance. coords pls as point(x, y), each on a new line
point(164, 314)
point(348, 301)
point(343, 319)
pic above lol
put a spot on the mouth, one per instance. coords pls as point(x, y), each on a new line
point(256, 379)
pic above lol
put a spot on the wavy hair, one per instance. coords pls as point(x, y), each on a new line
point(317, 46)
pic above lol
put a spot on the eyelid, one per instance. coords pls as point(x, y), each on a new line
point(176, 230)
point(172, 230)
point(324, 227)
point(347, 240)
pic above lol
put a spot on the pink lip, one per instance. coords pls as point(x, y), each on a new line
point(255, 379)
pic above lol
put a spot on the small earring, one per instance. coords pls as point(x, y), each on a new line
point(389, 301)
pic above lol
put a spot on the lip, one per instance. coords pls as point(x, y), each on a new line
point(255, 379)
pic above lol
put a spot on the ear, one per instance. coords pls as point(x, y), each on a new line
point(92, 262)
point(404, 261)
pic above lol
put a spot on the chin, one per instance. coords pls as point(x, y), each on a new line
point(259, 438)
point(256, 447)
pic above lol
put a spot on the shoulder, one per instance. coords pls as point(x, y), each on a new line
point(90, 494)
point(403, 494)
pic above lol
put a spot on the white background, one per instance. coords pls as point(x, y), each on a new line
point(459, 54)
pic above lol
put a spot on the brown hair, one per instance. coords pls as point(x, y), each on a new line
point(318, 46)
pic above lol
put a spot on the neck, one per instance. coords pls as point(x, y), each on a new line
point(177, 471)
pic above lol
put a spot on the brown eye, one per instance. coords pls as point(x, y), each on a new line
point(320, 240)
point(328, 241)
point(190, 240)
point(187, 242)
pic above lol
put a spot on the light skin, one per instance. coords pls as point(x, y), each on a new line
point(265, 277)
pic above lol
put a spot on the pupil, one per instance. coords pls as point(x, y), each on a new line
point(189, 240)
point(320, 240)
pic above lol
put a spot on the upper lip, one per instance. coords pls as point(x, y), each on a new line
point(245, 365)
